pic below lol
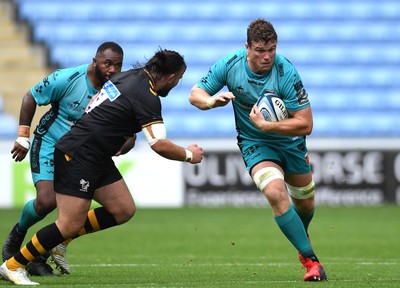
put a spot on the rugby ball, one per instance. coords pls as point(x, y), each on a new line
point(272, 107)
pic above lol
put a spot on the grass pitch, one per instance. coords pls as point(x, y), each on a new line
point(229, 247)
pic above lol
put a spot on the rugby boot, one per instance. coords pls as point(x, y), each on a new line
point(17, 277)
point(13, 243)
point(59, 256)
point(39, 267)
point(315, 271)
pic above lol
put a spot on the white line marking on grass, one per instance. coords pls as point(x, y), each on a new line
point(193, 263)
point(183, 264)
point(378, 263)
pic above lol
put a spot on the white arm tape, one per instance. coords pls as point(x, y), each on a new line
point(24, 142)
point(189, 155)
point(210, 102)
point(154, 133)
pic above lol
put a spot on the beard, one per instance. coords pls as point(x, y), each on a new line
point(164, 92)
point(99, 75)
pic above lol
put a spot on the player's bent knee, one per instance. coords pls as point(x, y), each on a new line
point(124, 215)
point(265, 175)
point(302, 192)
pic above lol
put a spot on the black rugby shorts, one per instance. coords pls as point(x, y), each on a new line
point(79, 178)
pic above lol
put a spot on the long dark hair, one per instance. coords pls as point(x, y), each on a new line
point(165, 62)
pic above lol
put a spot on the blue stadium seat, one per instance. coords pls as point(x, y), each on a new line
point(346, 51)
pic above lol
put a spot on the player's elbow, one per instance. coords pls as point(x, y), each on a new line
point(193, 100)
point(161, 147)
point(197, 96)
point(308, 129)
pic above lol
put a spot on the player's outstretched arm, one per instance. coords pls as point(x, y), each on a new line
point(167, 149)
point(204, 101)
point(156, 136)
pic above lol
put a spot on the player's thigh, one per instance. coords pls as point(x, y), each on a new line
point(116, 199)
point(72, 213)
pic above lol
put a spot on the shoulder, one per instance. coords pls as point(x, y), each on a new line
point(71, 74)
point(66, 76)
point(283, 66)
point(234, 57)
point(131, 79)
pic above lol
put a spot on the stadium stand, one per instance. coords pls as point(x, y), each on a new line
point(347, 52)
point(22, 65)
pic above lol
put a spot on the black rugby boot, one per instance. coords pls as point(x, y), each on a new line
point(13, 243)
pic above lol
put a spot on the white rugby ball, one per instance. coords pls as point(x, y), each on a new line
point(272, 107)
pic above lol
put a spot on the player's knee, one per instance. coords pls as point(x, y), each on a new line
point(44, 206)
point(305, 192)
point(45, 201)
point(124, 214)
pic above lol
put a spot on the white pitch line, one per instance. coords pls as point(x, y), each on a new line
point(216, 264)
point(182, 264)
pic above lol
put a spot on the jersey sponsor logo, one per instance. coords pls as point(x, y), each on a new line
point(298, 86)
point(35, 149)
point(239, 91)
point(245, 97)
point(111, 91)
point(205, 78)
point(45, 122)
point(75, 106)
point(281, 70)
point(302, 95)
point(252, 150)
point(84, 185)
point(49, 162)
point(43, 84)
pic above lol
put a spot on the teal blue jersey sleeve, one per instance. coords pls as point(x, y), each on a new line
point(55, 86)
point(216, 77)
point(51, 88)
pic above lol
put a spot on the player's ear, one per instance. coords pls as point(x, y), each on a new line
point(170, 78)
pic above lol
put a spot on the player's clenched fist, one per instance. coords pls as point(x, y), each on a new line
point(197, 153)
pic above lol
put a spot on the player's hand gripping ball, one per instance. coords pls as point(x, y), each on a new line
point(272, 107)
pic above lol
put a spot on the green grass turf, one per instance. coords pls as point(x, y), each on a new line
point(230, 247)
